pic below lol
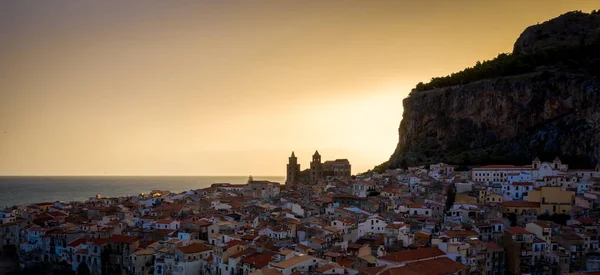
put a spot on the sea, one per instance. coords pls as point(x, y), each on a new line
point(18, 190)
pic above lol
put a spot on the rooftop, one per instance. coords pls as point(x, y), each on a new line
point(438, 266)
point(292, 261)
point(194, 248)
point(517, 230)
point(413, 255)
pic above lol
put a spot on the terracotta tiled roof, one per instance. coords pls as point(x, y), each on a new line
point(291, 261)
point(413, 255)
point(325, 268)
point(347, 220)
point(517, 230)
point(438, 266)
point(318, 241)
point(416, 205)
point(115, 239)
point(194, 248)
point(346, 262)
point(542, 224)
point(257, 260)
point(269, 271)
point(460, 233)
point(57, 214)
point(493, 246)
point(202, 223)
point(395, 225)
point(371, 270)
point(586, 221)
point(233, 243)
point(245, 252)
point(78, 242)
point(403, 270)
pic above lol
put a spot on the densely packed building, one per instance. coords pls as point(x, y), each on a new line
point(496, 219)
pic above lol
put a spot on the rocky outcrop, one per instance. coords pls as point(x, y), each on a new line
point(545, 113)
point(570, 29)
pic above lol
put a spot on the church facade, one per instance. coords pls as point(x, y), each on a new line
point(537, 171)
point(339, 168)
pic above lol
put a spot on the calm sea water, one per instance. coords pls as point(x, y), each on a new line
point(27, 190)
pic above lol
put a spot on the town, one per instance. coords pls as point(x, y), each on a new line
point(540, 218)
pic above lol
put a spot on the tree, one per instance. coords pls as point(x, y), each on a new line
point(556, 218)
point(451, 196)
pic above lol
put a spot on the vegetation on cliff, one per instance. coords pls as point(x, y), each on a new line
point(581, 56)
point(580, 59)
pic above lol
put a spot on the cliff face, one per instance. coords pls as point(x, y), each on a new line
point(548, 112)
point(508, 119)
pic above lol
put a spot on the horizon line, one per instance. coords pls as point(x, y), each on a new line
point(109, 175)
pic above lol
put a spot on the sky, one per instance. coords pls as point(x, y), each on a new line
point(159, 87)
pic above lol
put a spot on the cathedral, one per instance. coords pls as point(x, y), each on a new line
point(339, 168)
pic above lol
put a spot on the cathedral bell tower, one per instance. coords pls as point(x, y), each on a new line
point(293, 168)
point(316, 168)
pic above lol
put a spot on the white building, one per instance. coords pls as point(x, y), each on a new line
point(276, 232)
point(398, 232)
point(295, 208)
point(166, 224)
point(541, 230)
point(420, 209)
point(373, 225)
point(362, 188)
point(519, 177)
point(500, 173)
point(141, 261)
point(583, 187)
point(516, 190)
point(343, 224)
point(7, 216)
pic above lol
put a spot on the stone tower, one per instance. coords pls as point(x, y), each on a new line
point(293, 168)
point(556, 163)
point(316, 168)
point(536, 163)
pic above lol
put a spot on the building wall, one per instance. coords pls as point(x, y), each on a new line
point(520, 210)
point(552, 199)
point(544, 234)
point(139, 262)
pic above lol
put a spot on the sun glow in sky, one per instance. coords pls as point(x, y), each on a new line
point(228, 87)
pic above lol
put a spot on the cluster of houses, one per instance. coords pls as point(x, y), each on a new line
point(498, 219)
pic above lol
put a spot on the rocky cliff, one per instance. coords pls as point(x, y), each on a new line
point(551, 110)
point(569, 29)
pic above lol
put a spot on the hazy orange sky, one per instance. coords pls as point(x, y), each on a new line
point(144, 87)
